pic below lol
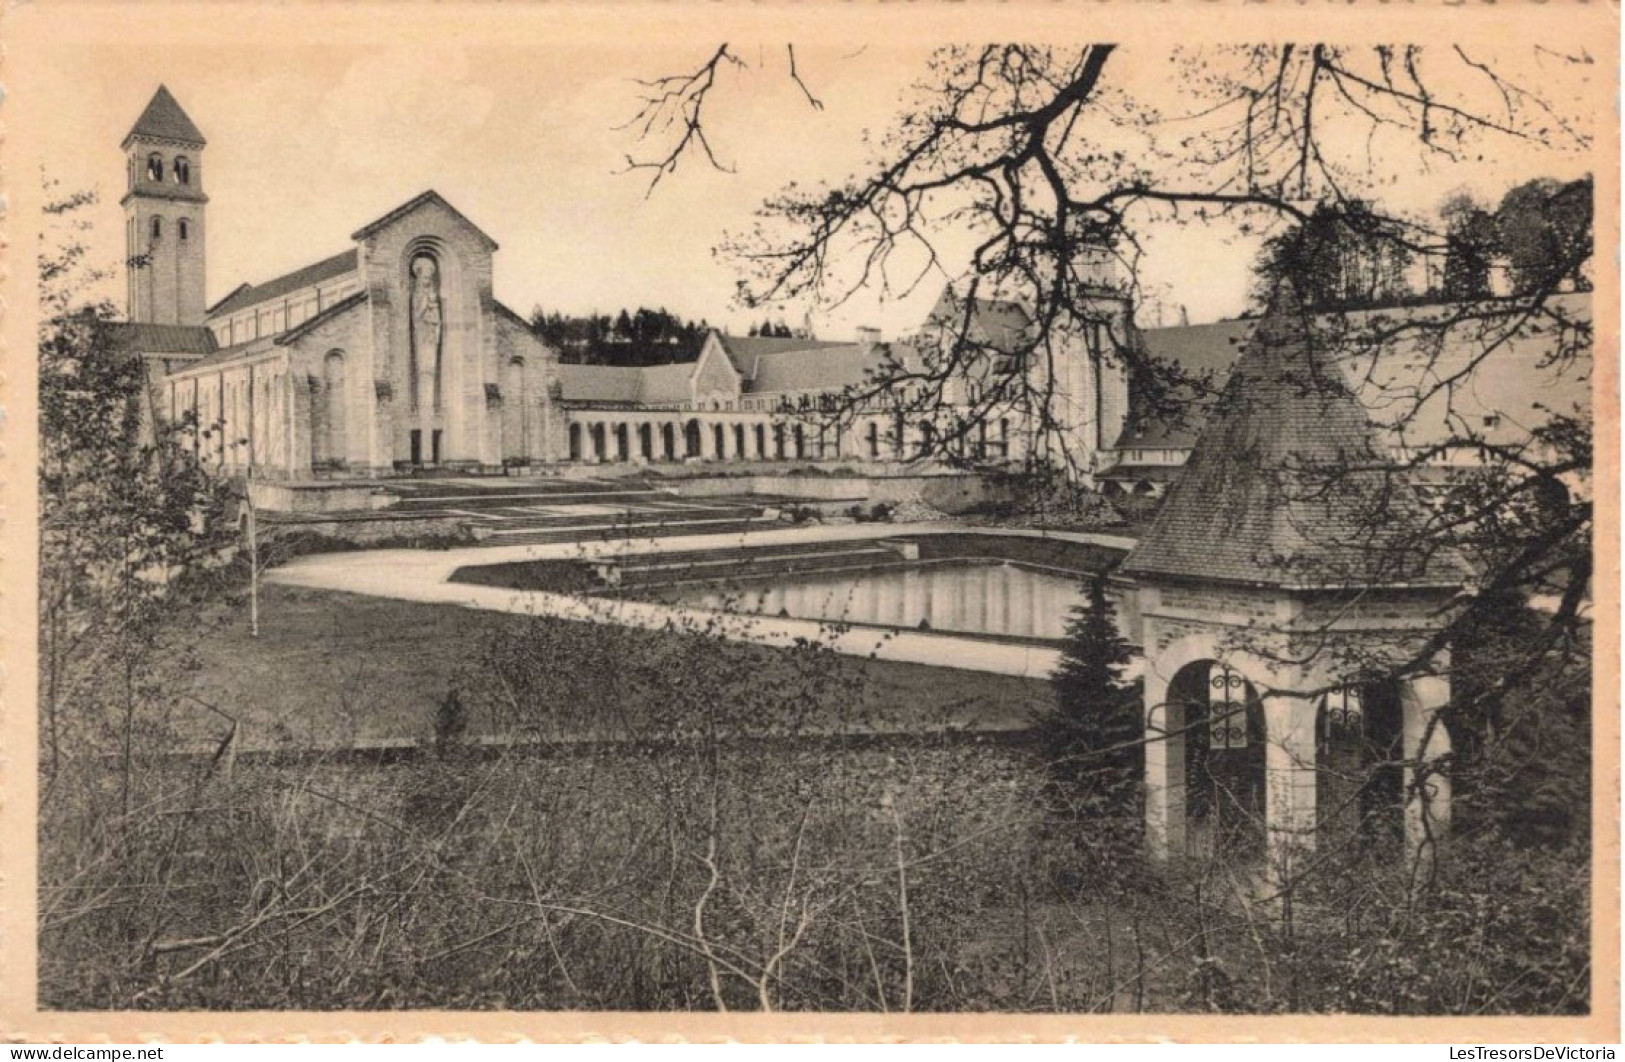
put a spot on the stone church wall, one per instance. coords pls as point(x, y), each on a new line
point(468, 341)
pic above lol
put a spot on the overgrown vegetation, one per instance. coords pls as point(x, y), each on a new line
point(607, 818)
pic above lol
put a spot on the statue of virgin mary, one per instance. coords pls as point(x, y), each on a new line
point(427, 329)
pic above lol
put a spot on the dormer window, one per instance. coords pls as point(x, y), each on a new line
point(157, 228)
point(155, 167)
point(183, 170)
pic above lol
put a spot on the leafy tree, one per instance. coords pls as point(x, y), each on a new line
point(1545, 228)
point(131, 525)
point(1342, 257)
point(1471, 246)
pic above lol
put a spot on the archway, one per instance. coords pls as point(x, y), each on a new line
point(761, 441)
point(668, 441)
point(623, 443)
point(575, 442)
point(1216, 719)
point(691, 438)
point(739, 442)
point(646, 441)
point(1360, 775)
point(801, 442)
point(600, 448)
point(719, 439)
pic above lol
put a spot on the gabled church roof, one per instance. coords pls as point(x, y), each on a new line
point(415, 203)
point(1289, 485)
point(246, 295)
point(165, 120)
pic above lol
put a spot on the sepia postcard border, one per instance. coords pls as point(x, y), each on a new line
point(26, 26)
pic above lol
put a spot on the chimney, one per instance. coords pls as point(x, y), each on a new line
point(868, 337)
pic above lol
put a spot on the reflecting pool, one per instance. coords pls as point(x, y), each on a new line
point(968, 597)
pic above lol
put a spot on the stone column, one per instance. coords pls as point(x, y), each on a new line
point(1427, 806)
point(1164, 771)
point(1289, 781)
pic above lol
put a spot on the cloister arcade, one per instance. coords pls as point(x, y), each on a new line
point(596, 436)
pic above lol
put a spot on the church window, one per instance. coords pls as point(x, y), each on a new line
point(157, 228)
point(183, 170)
point(185, 228)
point(155, 167)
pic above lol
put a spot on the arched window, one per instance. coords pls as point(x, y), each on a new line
point(157, 228)
point(155, 167)
point(183, 170)
point(185, 228)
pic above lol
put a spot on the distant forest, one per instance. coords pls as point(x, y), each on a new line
point(631, 337)
point(1347, 258)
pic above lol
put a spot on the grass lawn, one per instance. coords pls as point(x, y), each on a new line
point(331, 667)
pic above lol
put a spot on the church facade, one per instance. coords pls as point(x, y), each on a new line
point(394, 355)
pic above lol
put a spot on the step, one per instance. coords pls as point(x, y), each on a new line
point(744, 554)
point(488, 501)
point(594, 521)
point(754, 565)
point(607, 532)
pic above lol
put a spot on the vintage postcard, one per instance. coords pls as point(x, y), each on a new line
point(810, 521)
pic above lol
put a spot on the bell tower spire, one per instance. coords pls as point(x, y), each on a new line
point(163, 215)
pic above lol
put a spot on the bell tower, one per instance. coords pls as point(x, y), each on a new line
point(163, 215)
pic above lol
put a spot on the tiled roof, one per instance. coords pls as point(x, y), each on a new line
point(1148, 473)
point(139, 337)
point(997, 323)
point(666, 385)
point(420, 200)
point(504, 311)
point(600, 383)
point(252, 294)
point(236, 352)
point(1509, 391)
point(830, 368)
point(1257, 502)
point(744, 351)
point(338, 309)
point(164, 119)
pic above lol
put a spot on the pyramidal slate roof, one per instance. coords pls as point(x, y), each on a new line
point(165, 120)
point(1289, 485)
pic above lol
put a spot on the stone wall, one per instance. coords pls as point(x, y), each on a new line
point(865, 488)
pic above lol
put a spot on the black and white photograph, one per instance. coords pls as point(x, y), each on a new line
point(1007, 520)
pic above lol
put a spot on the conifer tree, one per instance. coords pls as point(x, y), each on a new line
point(1092, 734)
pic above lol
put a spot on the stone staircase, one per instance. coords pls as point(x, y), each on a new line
point(626, 526)
point(662, 569)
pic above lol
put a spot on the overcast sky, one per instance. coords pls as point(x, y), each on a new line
point(321, 119)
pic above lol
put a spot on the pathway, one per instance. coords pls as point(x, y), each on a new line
point(424, 576)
